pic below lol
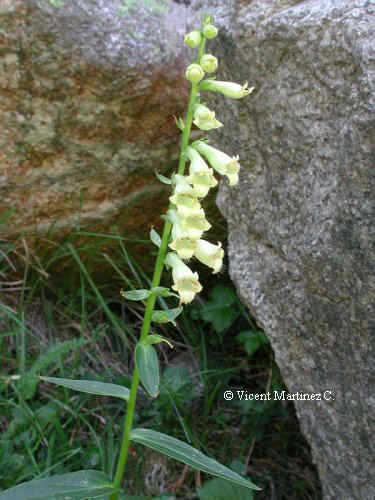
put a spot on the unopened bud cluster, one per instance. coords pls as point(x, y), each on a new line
point(186, 213)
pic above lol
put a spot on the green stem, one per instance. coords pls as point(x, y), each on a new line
point(150, 304)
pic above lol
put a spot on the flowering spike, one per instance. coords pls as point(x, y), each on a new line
point(229, 89)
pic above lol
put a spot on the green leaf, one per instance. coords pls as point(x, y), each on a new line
point(162, 179)
point(185, 453)
point(180, 123)
point(136, 294)
point(221, 309)
point(168, 316)
point(156, 339)
point(91, 387)
point(147, 362)
point(218, 489)
point(27, 385)
point(155, 238)
point(252, 340)
point(73, 486)
point(162, 291)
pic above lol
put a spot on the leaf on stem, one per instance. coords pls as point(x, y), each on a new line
point(76, 485)
point(185, 453)
point(167, 316)
point(162, 178)
point(156, 339)
point(91, 387)
point(136, 294)
point(155, 238)
point(161, 291)
point(180, 123)
point(147, 362)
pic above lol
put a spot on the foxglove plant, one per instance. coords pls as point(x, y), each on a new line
point(185, 224)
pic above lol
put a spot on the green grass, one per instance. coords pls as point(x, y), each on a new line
point(61, 314)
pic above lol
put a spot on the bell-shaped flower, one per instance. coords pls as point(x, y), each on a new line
point(184, 247)
point(201, 175)
point(191, 227)
point(205, 119)
point(186, 283)
point(209, 254)
point(182, 185)
point(182, 243)
point(185, 197)
point(219, 161)
point(229, 89)
point(186, 204)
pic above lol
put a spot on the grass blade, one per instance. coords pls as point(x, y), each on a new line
point(91, 387)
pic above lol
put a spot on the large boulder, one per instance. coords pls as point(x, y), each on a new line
point(301, 220)
point(88, 94)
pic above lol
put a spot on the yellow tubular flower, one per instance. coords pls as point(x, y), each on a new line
point(201, 176)
point(186, 204)
point(219, 161)
point(186, 283)
point(209, 254)
point(205, 119)
point(229, 89)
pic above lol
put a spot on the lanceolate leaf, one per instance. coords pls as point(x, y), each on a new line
point(185, 453)
point(162, 178)
point(156, 339)
point(167, 316)
point(155, 238)
point(136, 294)
point(75, 485)
point(217, 489)
point(91, 387)
point(162, 291)
point(147, 362)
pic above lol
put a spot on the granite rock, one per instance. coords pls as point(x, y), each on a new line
point(88, 94)
point(301, 220)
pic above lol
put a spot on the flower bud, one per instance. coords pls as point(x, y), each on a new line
point(219, 161)
point(209, 254)
point(209, 63)
point(209, 31)
point(194, 73)
point(205, 118)
point(229, 89)
point(193, 39)
point(186, 282)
